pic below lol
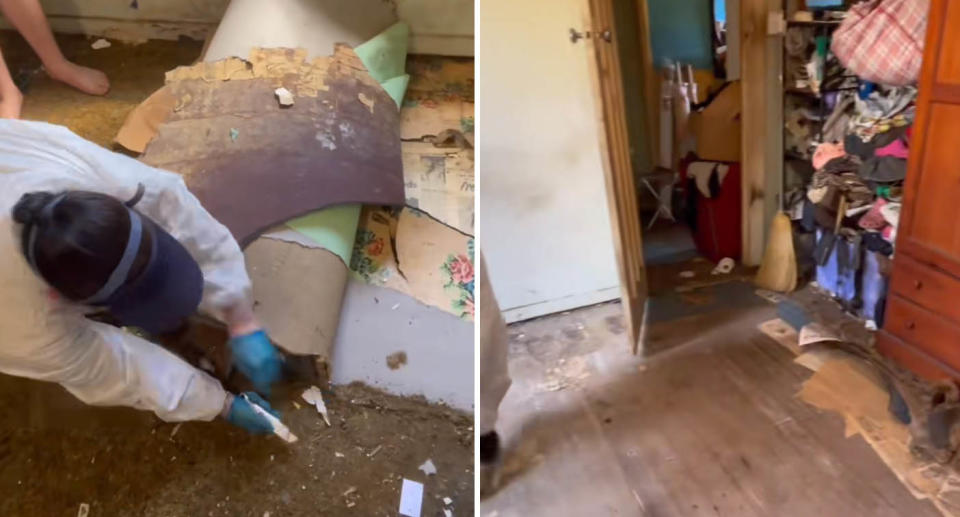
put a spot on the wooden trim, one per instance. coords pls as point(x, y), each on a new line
point(913, 359)
point(930, 257)
point(928, 73)
point(566, 303)
point(947, 93)
point(618, 172)
point(753, 82)
point(651, 80)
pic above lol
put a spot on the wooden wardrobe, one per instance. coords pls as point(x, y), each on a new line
point(922, 322)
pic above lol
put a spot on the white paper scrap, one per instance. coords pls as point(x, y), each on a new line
point(284, 96)
point(428, 467)
point(314, 397)
point(411, 497)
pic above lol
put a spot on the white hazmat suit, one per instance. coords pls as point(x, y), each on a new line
point(48, 338)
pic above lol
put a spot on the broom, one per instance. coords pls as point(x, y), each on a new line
point(778, 271)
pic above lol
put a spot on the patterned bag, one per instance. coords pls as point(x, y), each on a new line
point(882, 40)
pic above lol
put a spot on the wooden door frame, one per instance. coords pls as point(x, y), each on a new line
point(618, 169)
point(761, 151)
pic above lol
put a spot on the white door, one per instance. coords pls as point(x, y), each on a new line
point(544, 221)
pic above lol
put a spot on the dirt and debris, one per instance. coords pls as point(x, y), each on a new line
point(396, 360)
point(213, 467)
point(284, 97)
point(366, 101)
point(135, 71)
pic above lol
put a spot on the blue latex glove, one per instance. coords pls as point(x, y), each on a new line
point(243, 415)
point(257, 359)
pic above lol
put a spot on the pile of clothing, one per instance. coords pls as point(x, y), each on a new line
point(852, 203)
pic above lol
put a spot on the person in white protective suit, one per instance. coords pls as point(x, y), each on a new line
point(70, 245)
point(494, 381)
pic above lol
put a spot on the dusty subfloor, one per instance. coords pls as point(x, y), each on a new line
point(135, 71)
point(709, 426)
point(56, 453)
point(123, 462)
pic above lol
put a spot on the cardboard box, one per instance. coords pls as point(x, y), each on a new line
point(717, 127)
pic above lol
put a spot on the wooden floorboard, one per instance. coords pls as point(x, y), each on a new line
point(712, 427)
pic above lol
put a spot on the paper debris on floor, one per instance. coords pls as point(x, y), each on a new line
point(411, 498)
point(84, 510)
point(724, 267)
point(770, 296)
point(781, 332)
point(447, 513)
point(447, 501)
point(814, 332)
point(142, 122)
point(848, 386)
point(428, 467)
point(100, 44)
point(314, 397)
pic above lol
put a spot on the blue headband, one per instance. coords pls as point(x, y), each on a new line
point(119, 274)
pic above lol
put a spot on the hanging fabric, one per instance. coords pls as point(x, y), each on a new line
point(882, 40)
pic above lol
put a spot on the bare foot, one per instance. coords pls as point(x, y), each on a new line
point(10, 103)
point(87, 80)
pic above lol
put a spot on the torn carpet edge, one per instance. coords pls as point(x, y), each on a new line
point(335, 229)
point(254, 164)
point(848, 387)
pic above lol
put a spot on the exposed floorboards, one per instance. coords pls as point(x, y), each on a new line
point(710, 426)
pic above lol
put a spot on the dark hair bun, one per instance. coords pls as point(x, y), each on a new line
point(31, 204)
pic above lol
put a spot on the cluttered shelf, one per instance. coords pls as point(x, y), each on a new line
point(847, 134)
point(807, 92)
point(814, 23)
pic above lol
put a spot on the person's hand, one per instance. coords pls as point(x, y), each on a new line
point(257, 359)
point(241, 414)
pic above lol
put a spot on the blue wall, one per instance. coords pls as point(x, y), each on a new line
point(680, 31)
point(720, 10)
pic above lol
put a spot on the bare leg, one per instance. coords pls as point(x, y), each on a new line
point(31, 23)
point(10, 97)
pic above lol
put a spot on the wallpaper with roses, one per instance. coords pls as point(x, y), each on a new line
point(426, 249)
point(408, 250)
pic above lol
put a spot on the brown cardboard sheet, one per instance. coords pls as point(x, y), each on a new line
point(298, 293)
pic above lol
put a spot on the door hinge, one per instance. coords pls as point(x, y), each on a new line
point(575, 35)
